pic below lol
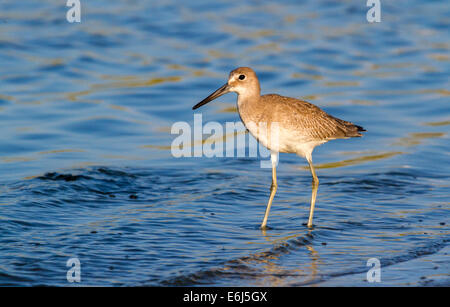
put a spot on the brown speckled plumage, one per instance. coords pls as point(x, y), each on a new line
point(308, 119)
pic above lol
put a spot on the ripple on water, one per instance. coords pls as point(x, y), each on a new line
point(95, 206)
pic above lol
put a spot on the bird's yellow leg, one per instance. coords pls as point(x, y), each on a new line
point(315, 186)
point(273, 188)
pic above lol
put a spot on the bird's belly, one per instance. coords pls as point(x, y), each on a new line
point(279, 139)
point(262, 133)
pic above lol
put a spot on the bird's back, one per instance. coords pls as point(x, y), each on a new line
point(307, 120)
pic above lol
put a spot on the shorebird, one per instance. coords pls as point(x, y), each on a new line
point(283, 124)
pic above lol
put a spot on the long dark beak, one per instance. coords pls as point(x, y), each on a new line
point(219, 92)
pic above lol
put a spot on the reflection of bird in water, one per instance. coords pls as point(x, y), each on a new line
point(283, 124)
point(268, 268)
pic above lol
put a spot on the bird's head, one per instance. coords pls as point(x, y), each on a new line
point(242, 81)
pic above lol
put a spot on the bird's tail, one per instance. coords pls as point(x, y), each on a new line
point(360, 128)
point(353, 130)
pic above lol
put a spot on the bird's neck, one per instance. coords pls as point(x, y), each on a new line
point(248, 106)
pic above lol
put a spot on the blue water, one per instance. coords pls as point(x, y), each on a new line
point(86, 169)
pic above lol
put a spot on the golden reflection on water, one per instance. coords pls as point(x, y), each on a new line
point(119, 108)
point(34, 156)
point(417, 138)
point(355, 161)
point(160, 147)
point(17, 159)
point(273, 47)
point(440, 57)
point(306, 76)
point(123, 82)
point(56, 151)
point(192, 71)
point(255, 34)
point(438, 123)
point(136, 82)
point(7, 97)
point(220, 54)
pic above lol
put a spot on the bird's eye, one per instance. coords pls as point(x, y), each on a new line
point(241, 77)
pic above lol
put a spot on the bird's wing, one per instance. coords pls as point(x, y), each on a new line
point(308, 120)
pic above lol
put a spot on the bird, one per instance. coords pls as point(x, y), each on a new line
point(282, 124)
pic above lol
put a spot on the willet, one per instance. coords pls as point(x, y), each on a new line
point(283, 124)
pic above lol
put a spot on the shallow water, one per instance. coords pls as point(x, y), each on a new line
point(86, 169)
